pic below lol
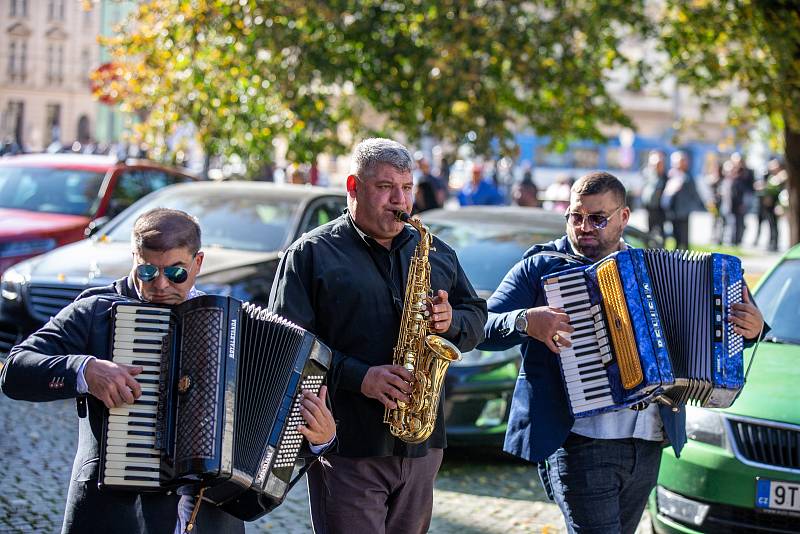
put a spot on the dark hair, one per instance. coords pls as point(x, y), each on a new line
point(599, 182)
point(162, 229)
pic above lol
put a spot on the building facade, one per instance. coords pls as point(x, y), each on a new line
point(47, 50)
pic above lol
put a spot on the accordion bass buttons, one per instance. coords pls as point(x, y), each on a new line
point(184, 383)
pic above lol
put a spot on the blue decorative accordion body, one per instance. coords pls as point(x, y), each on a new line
point(650, 324)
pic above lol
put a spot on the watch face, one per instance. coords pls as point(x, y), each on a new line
point(521, 323)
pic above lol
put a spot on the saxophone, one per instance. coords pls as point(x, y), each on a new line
point(425, 355)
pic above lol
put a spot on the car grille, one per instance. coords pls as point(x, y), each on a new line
point(725, 519)
point(777, 446)
point(46, 300)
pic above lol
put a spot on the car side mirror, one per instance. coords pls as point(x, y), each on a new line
point(95, 226)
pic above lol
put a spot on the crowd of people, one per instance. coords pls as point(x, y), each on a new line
point(670, 194)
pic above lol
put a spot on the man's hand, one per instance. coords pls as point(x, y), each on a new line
point(387, 384)
point(545, 322)
point(320, 427)
point(441, 313)
point(112, 383)
point(746, 317)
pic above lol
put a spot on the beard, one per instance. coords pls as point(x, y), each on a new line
point(593, 245)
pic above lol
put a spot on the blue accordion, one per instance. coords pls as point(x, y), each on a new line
point(650, 324)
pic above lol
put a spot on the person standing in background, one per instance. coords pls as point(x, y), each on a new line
point(655, 178)
point(480, 191)
point(680, 198)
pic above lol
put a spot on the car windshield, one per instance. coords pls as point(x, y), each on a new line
point(777, 298)
point(43, 189)
point(487, 252)
point(228, 219)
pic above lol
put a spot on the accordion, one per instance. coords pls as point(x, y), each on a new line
point(650, 324)
point(220, 402)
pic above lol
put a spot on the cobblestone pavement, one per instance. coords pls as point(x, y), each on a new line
point(476, 492)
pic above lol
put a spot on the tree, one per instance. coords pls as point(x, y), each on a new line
point(749, 46)
point(247, 72)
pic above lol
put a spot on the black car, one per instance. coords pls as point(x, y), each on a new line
point(489, 241)
point(245, 226)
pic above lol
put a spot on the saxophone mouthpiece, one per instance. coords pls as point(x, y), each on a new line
point(402, 216)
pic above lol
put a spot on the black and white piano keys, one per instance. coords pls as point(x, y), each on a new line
point(132, 457)
point(583, 363)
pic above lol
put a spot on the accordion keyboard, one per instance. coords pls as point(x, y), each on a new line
point(132, 456)
point(584, 363)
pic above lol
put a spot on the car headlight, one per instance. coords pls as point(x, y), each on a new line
point(706, 426)
point(12, 282)
point(679, 507)
point(32, 247)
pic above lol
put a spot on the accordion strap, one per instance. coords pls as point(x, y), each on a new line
point(572, 258)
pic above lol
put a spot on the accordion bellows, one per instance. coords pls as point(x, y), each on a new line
point(650, 324)
point(221, 385)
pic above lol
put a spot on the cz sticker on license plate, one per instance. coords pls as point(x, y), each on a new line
point(777, 495)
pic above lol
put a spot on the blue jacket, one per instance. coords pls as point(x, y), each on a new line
point(540, 419)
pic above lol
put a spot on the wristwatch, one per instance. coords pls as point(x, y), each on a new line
point(521, 322)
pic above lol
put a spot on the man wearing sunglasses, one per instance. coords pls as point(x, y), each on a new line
point(599, 469)
point(68, 358)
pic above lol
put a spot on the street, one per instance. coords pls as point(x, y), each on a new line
point(476, 491)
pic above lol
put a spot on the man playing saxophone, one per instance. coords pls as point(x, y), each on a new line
point(346, 282)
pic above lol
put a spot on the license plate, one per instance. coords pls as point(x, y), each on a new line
point(777, 495)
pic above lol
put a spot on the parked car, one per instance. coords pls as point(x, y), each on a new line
point(740, 470)
point(245, 226)
point(49, 200)
point(489, 241)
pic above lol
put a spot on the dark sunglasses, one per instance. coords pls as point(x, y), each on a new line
point(147, 272)
point(598, 220)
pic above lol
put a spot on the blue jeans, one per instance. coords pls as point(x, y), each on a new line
point(602, 485)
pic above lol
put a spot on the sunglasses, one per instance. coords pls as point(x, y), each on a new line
point(597, 220)
point(147, 272)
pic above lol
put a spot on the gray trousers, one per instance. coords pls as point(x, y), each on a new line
point(379, 495)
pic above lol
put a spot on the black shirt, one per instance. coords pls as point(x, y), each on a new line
point(349, 290)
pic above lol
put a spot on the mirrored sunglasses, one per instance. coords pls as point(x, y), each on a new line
point(147, 272)
point(597, 220)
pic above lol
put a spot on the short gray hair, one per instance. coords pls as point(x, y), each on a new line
point(370, 153)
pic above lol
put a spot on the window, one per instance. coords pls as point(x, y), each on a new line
point(60, 64)
point(55, 64)
point(12, 60)
point(17, 60)
point(19, 8)
point(55, 10)
point(322, 212)
point(134, 184)
point(50, 61)
point(587, 158)
point(53, 124)
point(13, 121)
point(551, 158)
point(85, 64)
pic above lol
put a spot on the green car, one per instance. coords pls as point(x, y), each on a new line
point(740, 470)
